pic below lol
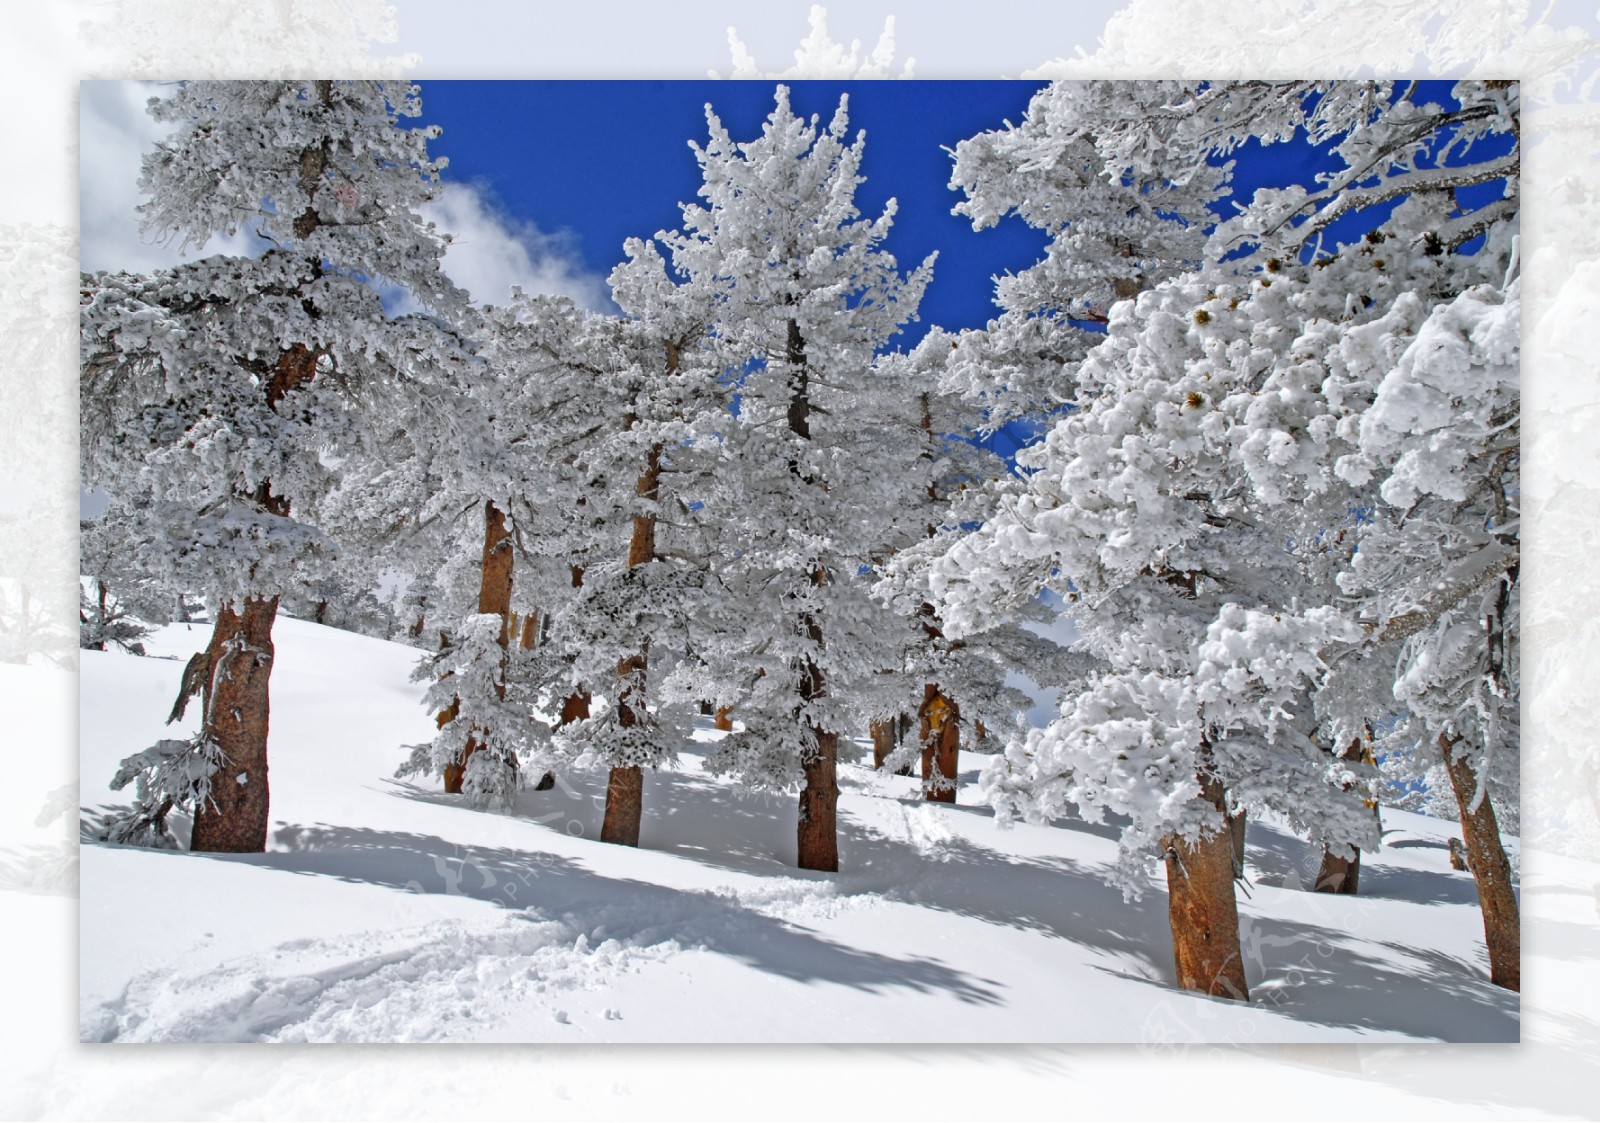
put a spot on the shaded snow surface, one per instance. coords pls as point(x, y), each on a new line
point(387, 911)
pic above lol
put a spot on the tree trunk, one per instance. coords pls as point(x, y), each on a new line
point(527, 628)
point(1338, 875)
point(624, 806)
point(818, 831)
point(941, 745)
point(1202, 910)
point(494, 595)
point(941, 718)
point(100, 599)
point(238, 665)
point(887, 736)
point(819, 798)
point(882, 740)
point(1486, 857)
point(1236, 828)
point(625, 789)
point(575, 707)
point(452, 771)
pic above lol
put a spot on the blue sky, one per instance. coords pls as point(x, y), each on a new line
point(547, 179)
point(595, 163)
point(589, 164)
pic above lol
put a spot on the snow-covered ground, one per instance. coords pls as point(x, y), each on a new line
point(387, 911)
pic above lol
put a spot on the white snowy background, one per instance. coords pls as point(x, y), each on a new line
point(48, 51)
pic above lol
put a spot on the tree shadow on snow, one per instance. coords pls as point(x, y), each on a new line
point(1280, 857)
point(1308, 971)
point(627, 910)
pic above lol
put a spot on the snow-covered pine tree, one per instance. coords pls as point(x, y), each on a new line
point(1110, 237)
point(1435, 576)
point(659, 398)
point(1153, 507)
point(209, 389)
point(1400, 400)
point(600, 414)
point(950, 686)
point(1120, 216)
point(804, 296)
point(460, 498)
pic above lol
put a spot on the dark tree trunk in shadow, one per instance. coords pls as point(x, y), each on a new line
point(819, 798)
point(624, 806)
point(882, 732)
point(1236, 831)
point(1338, 875)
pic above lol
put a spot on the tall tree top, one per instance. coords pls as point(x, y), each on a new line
point(320, 168)
point(780, 231)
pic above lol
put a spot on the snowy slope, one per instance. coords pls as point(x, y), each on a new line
point(387, 911)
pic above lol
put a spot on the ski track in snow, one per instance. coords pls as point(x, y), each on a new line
point(920, 826)
point(439, 982)
point(447, 980)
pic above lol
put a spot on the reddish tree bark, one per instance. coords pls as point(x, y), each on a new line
point(625, 787)
point(494, 595)
point(1202, 909)
point(240, 655)
point(238, 666)
point(882, 733)
point(624, 805)
point(575, 707)
point(1338, 875)
point(941, 745)
point(818, 831)
point(1486, 857)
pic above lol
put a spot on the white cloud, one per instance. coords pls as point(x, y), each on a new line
point(491, 251)
point(114, 134)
